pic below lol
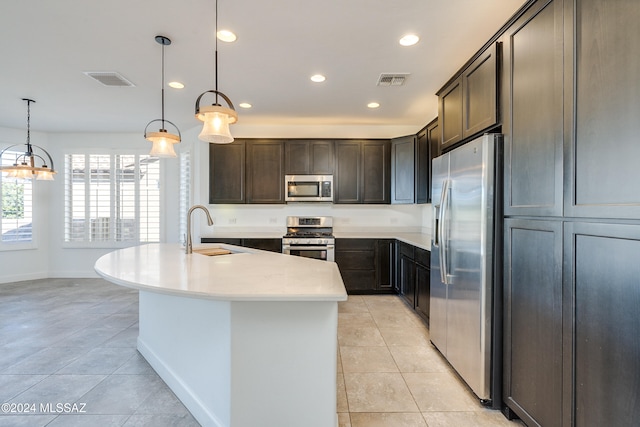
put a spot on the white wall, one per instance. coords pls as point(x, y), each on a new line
point(52, 258)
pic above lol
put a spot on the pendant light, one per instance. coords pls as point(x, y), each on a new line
point(30, 164)
point(162, 140)
point(216, 117)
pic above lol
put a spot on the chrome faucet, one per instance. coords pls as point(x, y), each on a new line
point(189, 248)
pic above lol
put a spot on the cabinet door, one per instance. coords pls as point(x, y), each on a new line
point(407, 279)
point(308, 157)
point(296, 157)
point(479, 106)
point(227, 172)
point(423, 288)
point(376, 171)
point(356, 259)
point(603, 288)
point(385, 263)
point(450, 114)
point(423, 162)
point(533, 338)
point(433, 133)
point(321, 158)
point(347, 177)
point(532, 103)
point(602, 163)
point(403, 169)
point(265, 172)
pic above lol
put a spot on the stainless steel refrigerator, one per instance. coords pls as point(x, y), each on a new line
point(465, 321)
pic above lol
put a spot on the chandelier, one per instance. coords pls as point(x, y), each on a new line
point(32, 162)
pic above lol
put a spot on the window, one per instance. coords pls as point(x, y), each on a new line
point(112, 198)
point(185, 193)
point(17, 207)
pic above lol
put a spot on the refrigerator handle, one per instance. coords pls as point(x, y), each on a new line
point(444, 200)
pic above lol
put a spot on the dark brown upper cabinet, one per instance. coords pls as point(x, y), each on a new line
point(403, 169)
point(533, 117)
point(362, 171)
point(308, 157)
point(265, 171)
point(468, 104)
point(227, 173)
point(428, 145)
point(601, 136)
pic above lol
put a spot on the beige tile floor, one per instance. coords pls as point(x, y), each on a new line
point(73, 340)
point(389, 374)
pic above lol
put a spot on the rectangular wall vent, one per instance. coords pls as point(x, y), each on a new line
point(395, 79)
point(109, 78)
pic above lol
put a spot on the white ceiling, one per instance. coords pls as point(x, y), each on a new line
point(45, 46)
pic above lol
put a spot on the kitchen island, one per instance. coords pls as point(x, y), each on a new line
point(243, 339)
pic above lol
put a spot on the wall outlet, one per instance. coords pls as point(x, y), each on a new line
point(273, 220)
point(232, 220)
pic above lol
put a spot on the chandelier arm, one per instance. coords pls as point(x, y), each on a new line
point(6, 149)
point(48, 156)
point(225, 97)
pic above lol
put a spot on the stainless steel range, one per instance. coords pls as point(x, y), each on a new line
point(310, 237)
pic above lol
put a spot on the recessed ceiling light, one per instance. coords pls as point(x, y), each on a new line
point(318, 78)
point(176, 85)
point(373, 105)
point(409, 40)
point(226, 36)
point(245, 105)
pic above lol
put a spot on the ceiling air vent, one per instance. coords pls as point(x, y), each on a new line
point(109, 78)
point(396, 79)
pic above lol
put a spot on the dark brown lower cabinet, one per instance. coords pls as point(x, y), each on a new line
point(533, 339)
point(423, 283)
point(407, 273)
point(366, 265)
point(602, 287)
point(271, 245)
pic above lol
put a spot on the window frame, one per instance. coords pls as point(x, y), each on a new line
point(112, 243)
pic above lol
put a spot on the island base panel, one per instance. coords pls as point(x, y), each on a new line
point(244, 363)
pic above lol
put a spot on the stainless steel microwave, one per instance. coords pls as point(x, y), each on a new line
point(308, 188)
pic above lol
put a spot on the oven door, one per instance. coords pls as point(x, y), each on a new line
point(321, 252)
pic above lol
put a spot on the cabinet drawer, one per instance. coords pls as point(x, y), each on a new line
point(406, 250)
point(355, 244)
point(423, 257)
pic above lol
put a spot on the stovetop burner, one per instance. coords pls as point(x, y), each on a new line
point(316, 227)
point(307, 234)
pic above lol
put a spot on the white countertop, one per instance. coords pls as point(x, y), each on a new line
point(248, 274)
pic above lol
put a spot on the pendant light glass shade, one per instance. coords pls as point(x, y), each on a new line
point(30, 163)
point(216, 124)
point(162, 141)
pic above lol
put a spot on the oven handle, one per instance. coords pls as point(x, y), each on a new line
point(308, 248)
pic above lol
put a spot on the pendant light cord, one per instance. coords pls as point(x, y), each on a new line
point(29, 149)
point(216, 54)
point(162, 85)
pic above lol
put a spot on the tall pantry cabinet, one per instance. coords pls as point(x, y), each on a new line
point(571, 99)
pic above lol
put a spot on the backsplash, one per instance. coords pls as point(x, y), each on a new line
point(405, 218)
